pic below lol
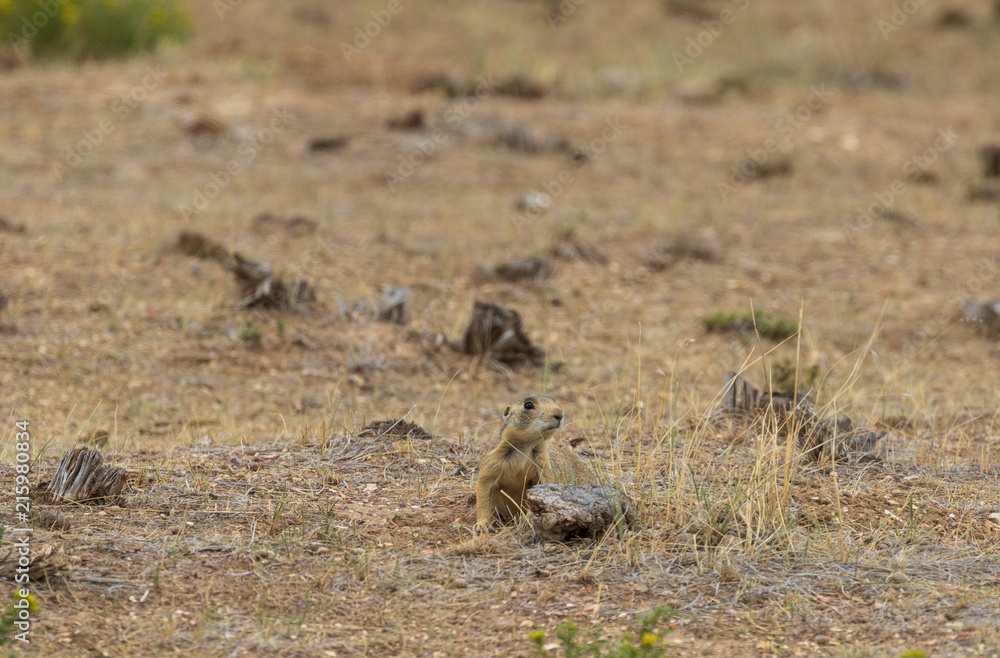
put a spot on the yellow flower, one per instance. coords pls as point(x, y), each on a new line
point(536, 636)
point(32, 601)
point(649, 639)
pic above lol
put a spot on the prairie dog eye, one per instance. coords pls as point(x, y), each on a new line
point(528, 404)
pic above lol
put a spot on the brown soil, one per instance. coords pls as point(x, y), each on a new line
point(260, 520)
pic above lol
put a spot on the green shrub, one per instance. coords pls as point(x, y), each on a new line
point(92, 29)
point(769, 327)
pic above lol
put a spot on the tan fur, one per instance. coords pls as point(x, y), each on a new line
point(523, 458)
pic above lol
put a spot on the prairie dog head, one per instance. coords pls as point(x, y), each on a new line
point(532, 418)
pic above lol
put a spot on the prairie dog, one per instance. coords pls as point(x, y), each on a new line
point(523, 458)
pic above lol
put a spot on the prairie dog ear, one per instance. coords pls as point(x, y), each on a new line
point(506, 412)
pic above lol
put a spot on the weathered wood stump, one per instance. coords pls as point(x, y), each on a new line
point(572, 249)
point(261, 289)
point(392, 306)
point(564, 512)
point(536, 269)
point(498, 332)
point(793, 413)
point(990, 154)
point(987, 316)
point(82, 477)
point(195, 244)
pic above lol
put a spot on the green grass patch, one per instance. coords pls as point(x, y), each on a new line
point(92, 29)
point(745, 323)
point(646, 639)
point(250, 332)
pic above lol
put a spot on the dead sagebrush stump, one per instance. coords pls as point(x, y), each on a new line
point(567, 511)
point(900, 218)
point(497, 331)
point(203, 125)
point(456, 84)
point(683, 246)
point(987, 316)
point(952, 18)
point(780, 166)
point(531, 269)
point(989, 155)
point(840, 439)
point(986, 191)
point(294, 225)
point(195, 244)
point(81, 476)
point(326, 144)
point(740, 395)
point(793, 414)
point(5, 328)
point(496, 131)
point(394, 428)
point(572, 249)
point(392, 306)
point(521, 138)
point(7, 226)
point(261, 289)
point(412, 120)
point(690, 9)
point(519, 86)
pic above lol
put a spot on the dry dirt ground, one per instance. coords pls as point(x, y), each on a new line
point(257, 521)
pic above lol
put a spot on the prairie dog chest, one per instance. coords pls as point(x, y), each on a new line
point(524, 466)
